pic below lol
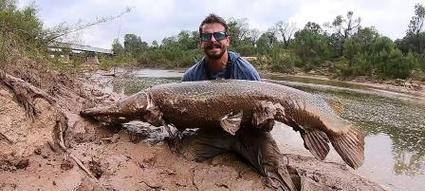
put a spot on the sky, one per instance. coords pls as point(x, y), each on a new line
point(155, 20)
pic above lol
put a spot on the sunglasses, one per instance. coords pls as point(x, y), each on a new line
point(217, 36)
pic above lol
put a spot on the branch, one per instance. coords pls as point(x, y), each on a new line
point(77, 160)
point(81, 165)
point(7, 138)
point(87, 25)
point(25, 92)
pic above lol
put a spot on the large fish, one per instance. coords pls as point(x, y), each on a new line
point(234, 104)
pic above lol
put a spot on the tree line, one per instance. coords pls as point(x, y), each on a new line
point(342, 48)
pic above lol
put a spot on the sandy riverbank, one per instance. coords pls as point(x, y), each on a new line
point(46, 145)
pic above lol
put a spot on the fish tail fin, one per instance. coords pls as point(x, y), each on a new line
point(350, 146)
point(317, 143)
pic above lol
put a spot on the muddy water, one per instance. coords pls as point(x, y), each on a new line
point(394, 125)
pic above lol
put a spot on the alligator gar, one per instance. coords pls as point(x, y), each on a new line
point(234, 104)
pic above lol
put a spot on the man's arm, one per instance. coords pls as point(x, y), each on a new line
point(247, 71)
point(194, 73)
point(187, 76)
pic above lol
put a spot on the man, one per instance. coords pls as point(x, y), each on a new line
point(256, 146)
point(218, 63)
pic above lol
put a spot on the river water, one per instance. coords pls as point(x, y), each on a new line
point(394, 124)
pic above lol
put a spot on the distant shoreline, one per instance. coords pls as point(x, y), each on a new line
point(415, 88)
point(409, 87)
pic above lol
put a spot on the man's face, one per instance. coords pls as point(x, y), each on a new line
point(213, 48)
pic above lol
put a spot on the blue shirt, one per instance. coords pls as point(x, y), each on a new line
point(236, 68)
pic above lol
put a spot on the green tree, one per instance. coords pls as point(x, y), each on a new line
point(343, 28)
point(20, 31)
point(358, 44)
point(168, 42)
point(266, 42)
point(311, 46)
point(241, 36)
point(187, 41)
point(134, 45)
point(117, 47)
point(416, 24)
point(415, 35)
point(365, 37)
point(352, 49)
point(388, 61)
point(155, 44)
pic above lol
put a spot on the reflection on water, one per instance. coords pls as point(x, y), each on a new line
point(152, 73)
point(394, 127)
point(408, 163)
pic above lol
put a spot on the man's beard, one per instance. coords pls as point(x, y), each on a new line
point(214, 55)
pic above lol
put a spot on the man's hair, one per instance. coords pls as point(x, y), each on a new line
point(212, 18)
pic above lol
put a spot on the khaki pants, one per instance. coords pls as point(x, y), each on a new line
point(256, 146)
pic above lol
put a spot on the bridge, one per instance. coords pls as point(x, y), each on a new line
point(67, 50)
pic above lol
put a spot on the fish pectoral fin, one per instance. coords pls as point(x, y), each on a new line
point(350, 146)
point(316, 142)
point(153, 116)
point(263, 116)
point(231, 122)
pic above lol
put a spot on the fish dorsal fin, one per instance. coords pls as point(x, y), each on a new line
point(336, 105)
point(231, 122)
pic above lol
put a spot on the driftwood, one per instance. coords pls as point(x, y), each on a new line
point(25, 93)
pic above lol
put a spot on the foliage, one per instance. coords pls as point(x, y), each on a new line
point(19, 31)
point(282, 61)
point(22, 36)
point(311, 47)
point(343, 29)
point(176, 51)
point(266, 43)
point(414, 41)
point(117, 48)
point(342, 47)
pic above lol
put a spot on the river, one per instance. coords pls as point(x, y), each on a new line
point(394, 124)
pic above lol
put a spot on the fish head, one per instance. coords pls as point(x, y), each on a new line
point(137, 103)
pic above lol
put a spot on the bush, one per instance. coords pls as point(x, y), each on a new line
point(342, 68)
point(20, 32)
point(282, 61)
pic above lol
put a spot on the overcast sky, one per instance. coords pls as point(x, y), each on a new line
point(156, 19)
